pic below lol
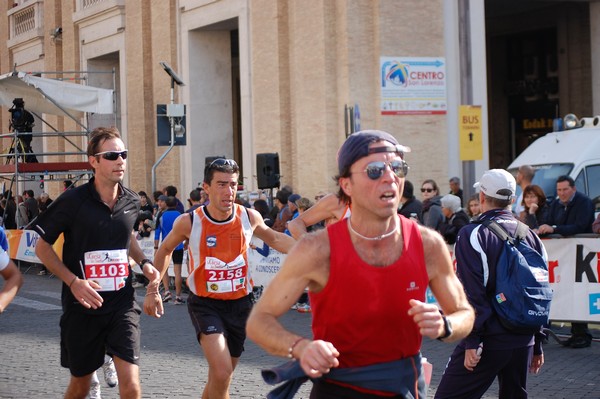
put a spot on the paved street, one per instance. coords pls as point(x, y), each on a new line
point(172, 365)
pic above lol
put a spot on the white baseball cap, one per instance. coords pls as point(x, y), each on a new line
point(497, 183)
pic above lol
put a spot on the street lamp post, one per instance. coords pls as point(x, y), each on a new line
point(173, 111)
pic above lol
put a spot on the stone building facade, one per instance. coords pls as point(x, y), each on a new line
point(276, 76)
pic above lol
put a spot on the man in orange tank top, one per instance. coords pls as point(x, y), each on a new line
point(377, 251)
point(219, 278)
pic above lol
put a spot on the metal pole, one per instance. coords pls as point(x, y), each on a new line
point(466, 89)
point(172, 123)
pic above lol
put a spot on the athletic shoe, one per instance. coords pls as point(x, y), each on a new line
point(110, 374)
point(95, 390)
point(179, 301)
point(295, 306)
point(304, 308)
point(42, 272)
point(167, 297)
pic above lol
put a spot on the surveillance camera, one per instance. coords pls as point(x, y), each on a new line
point(56, 33)
point(171, 73)
point(179, 130)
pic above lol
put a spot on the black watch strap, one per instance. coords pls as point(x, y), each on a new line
point(144, 261)
point(447, 328)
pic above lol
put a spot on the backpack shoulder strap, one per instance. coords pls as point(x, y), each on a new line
point(522, 231)
point(496, 228)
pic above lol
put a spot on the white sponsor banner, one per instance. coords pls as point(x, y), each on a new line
point(574, 265)
point(147, 246)
point(264, 262)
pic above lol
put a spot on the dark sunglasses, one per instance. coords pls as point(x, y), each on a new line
point(428, 190)
point(376, 169)
point(112, 155)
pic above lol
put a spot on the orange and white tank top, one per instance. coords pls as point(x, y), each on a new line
point(218, 260)
point(346, 214)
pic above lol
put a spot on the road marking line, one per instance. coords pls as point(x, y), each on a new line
point(49, 294)
point(37, 305)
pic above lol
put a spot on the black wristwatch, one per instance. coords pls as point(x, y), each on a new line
point(144, 261)
point(447, 329)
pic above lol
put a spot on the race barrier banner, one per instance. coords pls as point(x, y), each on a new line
point(574, 265)
point(21, 245)
point(264, 262)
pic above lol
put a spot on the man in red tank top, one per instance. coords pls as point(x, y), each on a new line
point(376, 251)
point(219, 279)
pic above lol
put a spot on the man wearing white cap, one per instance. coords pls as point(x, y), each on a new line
point(490, 350)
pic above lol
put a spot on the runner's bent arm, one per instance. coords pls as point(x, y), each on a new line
point(280, 241)
point(305, 265)
point(136, 253)
point(13, 280)
point(324, 209)
point(181, 230)
point(83, 290)
point(446, 288)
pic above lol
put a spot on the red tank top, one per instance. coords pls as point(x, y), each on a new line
point(363, 309)
point(218, 260)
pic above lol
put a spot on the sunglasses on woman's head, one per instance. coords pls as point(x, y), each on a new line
point(375, 169)
point(112, 155)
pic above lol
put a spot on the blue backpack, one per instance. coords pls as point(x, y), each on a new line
point(522, 294)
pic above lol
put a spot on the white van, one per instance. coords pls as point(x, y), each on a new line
point(574, 152)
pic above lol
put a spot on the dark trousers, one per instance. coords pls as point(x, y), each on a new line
point(580, 329)
point(510, 365)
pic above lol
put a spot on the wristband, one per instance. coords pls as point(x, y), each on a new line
point(72, 281)
point(447, 329)
point(144, 261)
point(291, 348)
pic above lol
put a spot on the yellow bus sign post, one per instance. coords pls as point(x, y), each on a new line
point(470, 133)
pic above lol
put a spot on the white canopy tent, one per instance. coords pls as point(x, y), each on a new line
point(55, 97)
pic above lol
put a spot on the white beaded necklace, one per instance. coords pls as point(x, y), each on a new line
point(376, 238)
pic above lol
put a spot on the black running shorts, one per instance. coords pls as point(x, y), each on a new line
point(85, 338)
point(227, 317)
point(177, 256)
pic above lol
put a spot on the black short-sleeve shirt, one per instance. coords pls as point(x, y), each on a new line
point(89, 224)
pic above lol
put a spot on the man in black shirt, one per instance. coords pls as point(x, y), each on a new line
point(100, 314)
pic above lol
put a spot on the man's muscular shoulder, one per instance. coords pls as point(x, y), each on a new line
point(435, 248)
point(311, 253)
point(431, 238)
point(314, 244)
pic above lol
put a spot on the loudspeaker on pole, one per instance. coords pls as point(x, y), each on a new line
point(267, 170)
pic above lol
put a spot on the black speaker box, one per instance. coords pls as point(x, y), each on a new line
point(267, 170)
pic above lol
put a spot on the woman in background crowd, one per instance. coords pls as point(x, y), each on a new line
point(536, 207)
point(473, 207)
point(432, 208)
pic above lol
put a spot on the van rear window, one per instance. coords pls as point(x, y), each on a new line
point(546, 175)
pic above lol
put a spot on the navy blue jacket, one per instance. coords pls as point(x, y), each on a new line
point(475, 245)
point(575, 218)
